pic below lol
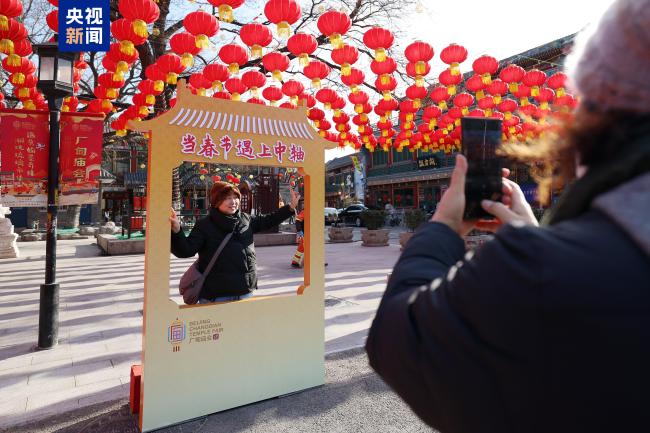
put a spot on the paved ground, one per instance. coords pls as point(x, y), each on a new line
point(352, 400)
point(100, 323)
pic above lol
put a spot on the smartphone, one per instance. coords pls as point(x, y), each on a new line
point(480, 139)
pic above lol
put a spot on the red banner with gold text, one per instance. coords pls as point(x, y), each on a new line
point(24, 145)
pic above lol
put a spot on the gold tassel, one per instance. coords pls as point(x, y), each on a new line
point(497, 99)
point(4, 23)
point(454, 69)
point(336, 40)
point(513, 87)
point(442, 105)
point(127, 47)
point(17, 78)
point(277, 75)
point(560, 92)
point(140, 28)
point(122, 67)
point(225, 13)
point(171, 78)
point(451, 90)
point(256, 51)
point(358, 108)
point(523, 101)
point(380, 55)
point(419, 81)
point(150, 99)
point(236, 97)
point(218, 85)
point(480, 95)
point(486, 79)
point(315, 83)
point(420, 68)
point(364, 117)
point(346, 69)
point(202, 41)
point(284, 29)
point(6, 46)
point(534, 91)
point(187, 60)
point(159, 85)
point(13, 60)
point(233, 68)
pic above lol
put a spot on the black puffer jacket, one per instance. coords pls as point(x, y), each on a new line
point(542, 330)
point(235, 272)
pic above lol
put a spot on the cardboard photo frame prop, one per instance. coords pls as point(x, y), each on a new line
point(202, 359)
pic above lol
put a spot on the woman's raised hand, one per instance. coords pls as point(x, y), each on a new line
point(295, 199)
point(175, 223)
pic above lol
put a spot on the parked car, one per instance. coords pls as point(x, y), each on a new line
point(352, 214)
point(331, 215)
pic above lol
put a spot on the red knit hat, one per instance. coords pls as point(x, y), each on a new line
point(220, 191)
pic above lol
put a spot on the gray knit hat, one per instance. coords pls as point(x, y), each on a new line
point(610, 63)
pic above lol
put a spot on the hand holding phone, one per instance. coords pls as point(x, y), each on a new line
point(480, 139)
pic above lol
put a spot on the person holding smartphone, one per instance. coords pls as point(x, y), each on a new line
point(541, 328)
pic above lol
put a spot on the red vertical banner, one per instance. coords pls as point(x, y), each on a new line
point(24, 145)
point(80, 157)
point(23, 157)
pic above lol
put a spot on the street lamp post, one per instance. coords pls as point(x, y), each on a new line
point(55, 72)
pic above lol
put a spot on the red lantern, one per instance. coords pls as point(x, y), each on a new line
point(110, 80)
point(216, 178)
point(440, 95)
point(292, 89)
point(388, 66)
point(272, 94)
point(141, 13)
point(154, 73)
point(453, 55)
point(254, 80)
point(120, 60)
point(9, 9)
point(419, 53)
point(234, 56)
point(171, 65)
point(149, 89)
point(315, 114)
point(307, 100)
point(52, 20)
point(523, 92)
point(475, 85)
point(497, 88)
point(15, 32)
point(512, 74)
point(508, 106)
point(222, 95)
point(487, 103)
point(282, 13)
point(216, 73)
point(345, 56)
point(257, 101)
point(122, 30)
point(416, 93)
point(326, 97)
point(463, 101)
point(415, 70)
point(235, 87)
point(202, 25)
point(302, 45)
point(534, 79)
point(354, 79)
point(450, 80)
point(557, 82)
point(184, 44)
point(200, 83)
point(276, 63)
point(386, 84)
point(544, 96)
point(334, 24)
point(22, 48)
point(485, 66)
point(256, 36)
point(225, 8)
point(378, 39)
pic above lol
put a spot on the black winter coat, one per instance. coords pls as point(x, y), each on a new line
point(234, 273)
point(541, 330)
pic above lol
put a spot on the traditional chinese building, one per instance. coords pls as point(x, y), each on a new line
point(339, 182)
point(417, 179)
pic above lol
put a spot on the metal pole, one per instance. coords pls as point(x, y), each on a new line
point(48, 315)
